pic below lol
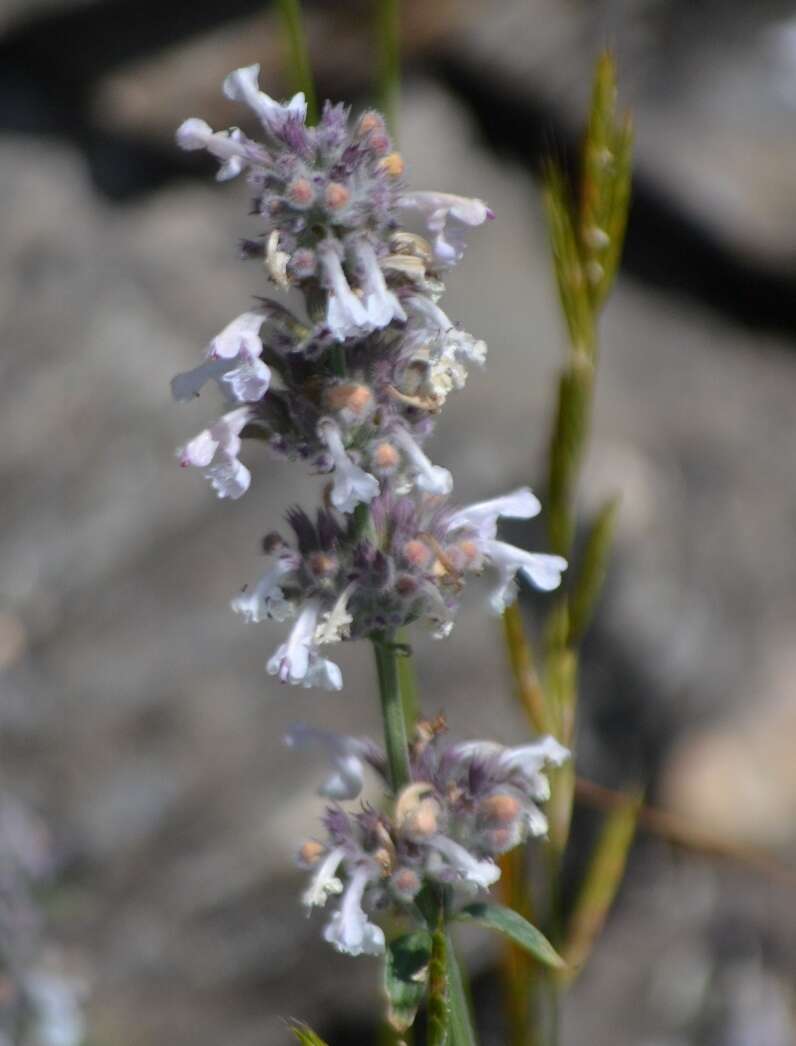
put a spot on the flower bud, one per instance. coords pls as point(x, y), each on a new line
point(379, 142)
point(417, 553)
point(322, 565)
point(417, 811)
point(303, 263)
point(405, 883)
point(349, 399)
point(392, 164)
point(499, 809)
point(310, 853)
point(300, 192)
point(405, 585)
point(384, 458)
point(369, 123)
point(337, 196)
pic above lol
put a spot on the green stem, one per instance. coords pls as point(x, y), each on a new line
point(301, 67)
point(392, 712)
point(408, 684)
point(438, 1006)
point(389, 17)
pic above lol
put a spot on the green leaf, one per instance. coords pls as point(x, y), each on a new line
point(602, 880)
point(406, 977)
point(461, 1024)
point(305, 1035)
point(589, 583)
point(505, 921)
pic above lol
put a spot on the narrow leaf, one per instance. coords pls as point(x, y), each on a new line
point(505, 921)
point(305, 1035)
point(603, 877)
point(589, 582)
point(406, 977)
point(461, 1023)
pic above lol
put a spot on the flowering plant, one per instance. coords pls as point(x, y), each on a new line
point(351, 382)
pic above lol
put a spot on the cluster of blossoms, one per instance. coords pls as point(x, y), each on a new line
point(329, 200)
point(352, 386)
point(351, 383)
point(411, 565)
point(467, 803)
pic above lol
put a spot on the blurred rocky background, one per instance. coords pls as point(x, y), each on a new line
point(145, 797)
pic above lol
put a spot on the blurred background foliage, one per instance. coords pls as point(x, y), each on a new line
point(140, 734)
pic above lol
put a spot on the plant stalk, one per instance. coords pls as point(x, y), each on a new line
point(392, 712)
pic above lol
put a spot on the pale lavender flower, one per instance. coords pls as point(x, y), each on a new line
point(346, 316)
point(265, 600)
point(430, 478)
point(347, 755)
point(483, 515)
point(216, 451)
point(467, 869)
point(542, 570)
point(242, 86)
point(466, 804)
point(352, 485)
point(349, 930)
point(381, 304)
point(297, 660)
point(233, 148)
point(437, 208)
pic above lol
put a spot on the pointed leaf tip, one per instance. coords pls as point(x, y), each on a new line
point(512, 925)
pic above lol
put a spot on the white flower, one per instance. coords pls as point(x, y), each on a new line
point(543, 571)
point(216, 450)
point(231, 147)
point(323, 673)
point(188, 385)
point(249, 381)
point(242, 86)
point(324, 883)
point(240, 339)
point(297, 660)
point(349, 930)
point(238, 343)
point(266, 599)
point(528, 760)
point(483, 515)
point(437, 208)
point(346, 316)
point(481, 874)
point(229, 477)
point(345, 753)
point(381, 304)
point(352, 485)
point(431, 479)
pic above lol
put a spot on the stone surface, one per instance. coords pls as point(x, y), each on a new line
point(712, 86)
